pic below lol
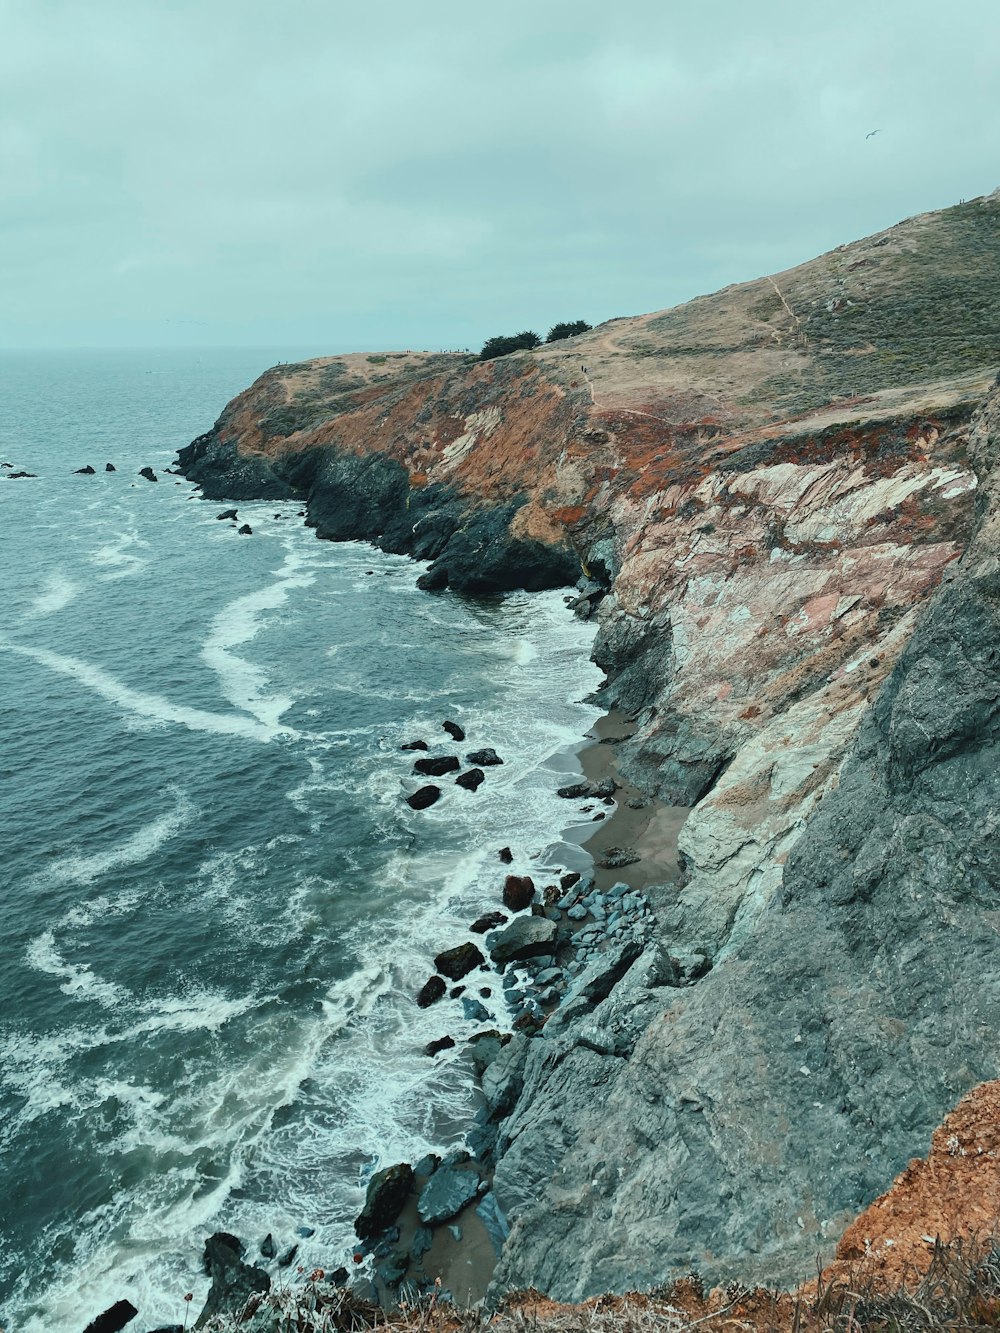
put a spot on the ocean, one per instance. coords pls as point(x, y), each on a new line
point(216, 906)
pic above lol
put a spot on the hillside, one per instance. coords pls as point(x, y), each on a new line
point(781, 499)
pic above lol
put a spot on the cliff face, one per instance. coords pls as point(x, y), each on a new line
point(764, 487)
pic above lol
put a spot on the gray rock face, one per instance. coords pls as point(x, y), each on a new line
point(523, 938)
point(748, 1116)
point(446, 1193)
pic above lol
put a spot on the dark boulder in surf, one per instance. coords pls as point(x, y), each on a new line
point(454, 731)
point(87, 471)
point(458, 962)
point(110, 467)
point(115, 1317)
point(483, 758)
point(518, 891)
point(436, 766)
point(431, 991)
point(488, 922)
point(148, 473)
point(471, 780)
point(227, 513)
point(245, 531)
point(384, 1199)
point(441, 1044)
point(233, 1281)
point(423, 797)
point(414, 745)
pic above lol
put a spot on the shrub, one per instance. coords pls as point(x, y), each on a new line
point(559, 331)
point(516, 342)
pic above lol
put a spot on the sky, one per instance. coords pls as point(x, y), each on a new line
point(397, 175)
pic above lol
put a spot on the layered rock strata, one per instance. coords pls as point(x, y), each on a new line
point(781, 502)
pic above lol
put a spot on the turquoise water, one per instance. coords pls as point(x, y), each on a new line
point(216, 906)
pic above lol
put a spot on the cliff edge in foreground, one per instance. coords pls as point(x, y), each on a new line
point(781, 499)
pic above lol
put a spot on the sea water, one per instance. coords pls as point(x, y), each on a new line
point(216, 907)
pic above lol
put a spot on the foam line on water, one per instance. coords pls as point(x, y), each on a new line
point(144, 708)
point(78, 980)
point(59, 591)
point(240, 621)
point(117, 560)
point(78, 867)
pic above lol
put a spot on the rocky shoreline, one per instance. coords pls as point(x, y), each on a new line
point(781, 500)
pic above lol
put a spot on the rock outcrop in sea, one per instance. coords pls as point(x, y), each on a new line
point(781, 504)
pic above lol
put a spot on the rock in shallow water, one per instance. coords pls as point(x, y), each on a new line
point(484, 758)
point(431, 991)
point(384, 1199)
point(436, 766)
point(458, 962)
point(488, 922)
point(116, 1316)
point(233, 1281)
point(423, 797)
point(471, 780)
point(518, 891)
point(454, 731)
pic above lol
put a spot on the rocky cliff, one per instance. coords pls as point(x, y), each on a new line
point(780, 501)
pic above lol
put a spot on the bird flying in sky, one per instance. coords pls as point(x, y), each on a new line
point(869, 135)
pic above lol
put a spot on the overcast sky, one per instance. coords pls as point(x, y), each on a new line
point(426, 174)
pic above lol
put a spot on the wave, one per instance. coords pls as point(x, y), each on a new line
point(148, 709)
point(137, 847)
point(58, 592)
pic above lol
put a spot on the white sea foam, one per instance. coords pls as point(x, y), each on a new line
point(137, 847)
point(243, 683)
point(143, 708)
point(59, 591)
point(117, 559)
point(78, 980)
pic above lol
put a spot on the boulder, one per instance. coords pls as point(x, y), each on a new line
point(414, 745)
point(440, 1044)
point(148, 473)
point(384, 1199)
point(116, 1316)
point(574, 791)
point(454, 731)
point(458, 962)
point(227, 514)
point(214, 1241)
point(518, 891)
point(616, 857)
point(88, 471)
point(505, 855)
point(436, 766)
point(285, 1260)
point(393, 1269)
point(110, 467)
point(423, 797)
point(446, 1193)
point(267, 1247)
point(471, 780)
point(483, 758)
point(488, 922)
point(569, 879)
point(233, 1281)
point(16, 476)
point(245, 531)
point(431, 991)
point(524, 938)
point(474, 1011)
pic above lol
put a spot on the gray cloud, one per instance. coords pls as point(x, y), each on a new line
point(217, 171)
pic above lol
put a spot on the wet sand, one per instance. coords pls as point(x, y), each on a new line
point(651, 830)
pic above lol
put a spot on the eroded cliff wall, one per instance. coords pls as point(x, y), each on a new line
point(765, 488)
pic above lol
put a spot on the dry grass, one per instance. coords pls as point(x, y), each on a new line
point(960, 1290)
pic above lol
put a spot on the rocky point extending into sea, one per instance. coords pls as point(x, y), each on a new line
point(780, 504)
